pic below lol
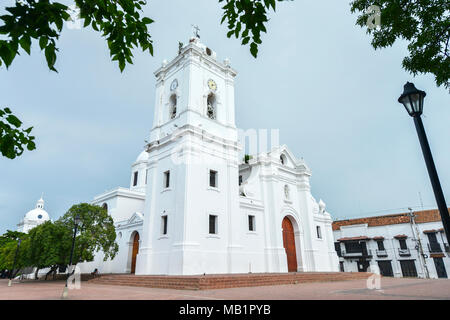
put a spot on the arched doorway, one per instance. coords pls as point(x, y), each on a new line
point(289, 244)
point(135, 252)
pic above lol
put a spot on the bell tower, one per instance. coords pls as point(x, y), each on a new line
point(194, 89)
point(191, 216)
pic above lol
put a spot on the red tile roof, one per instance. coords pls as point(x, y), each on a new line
point(398, 218)
point(354, 238)
point(430, 231)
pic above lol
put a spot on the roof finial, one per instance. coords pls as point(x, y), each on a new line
point(196, 30)
point(40, 202)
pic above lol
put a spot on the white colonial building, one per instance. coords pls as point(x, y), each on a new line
point(194, 206)
point(33, 217)
point(401, 245)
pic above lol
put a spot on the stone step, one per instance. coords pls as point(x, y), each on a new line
point(204, 282)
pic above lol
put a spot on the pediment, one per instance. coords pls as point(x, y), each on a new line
point(135, 218)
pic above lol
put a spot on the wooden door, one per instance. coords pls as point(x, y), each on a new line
point(289, 244)
point(135, 252)
point(408, 268)
point(385, 268)
point(440, 268)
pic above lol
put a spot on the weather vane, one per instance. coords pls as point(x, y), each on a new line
point(195, 30)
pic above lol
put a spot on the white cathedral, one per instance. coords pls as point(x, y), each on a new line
point(194, 206)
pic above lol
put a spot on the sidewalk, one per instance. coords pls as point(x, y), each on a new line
point(391, 288)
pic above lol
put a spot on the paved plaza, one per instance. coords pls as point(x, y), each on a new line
point(391, 288)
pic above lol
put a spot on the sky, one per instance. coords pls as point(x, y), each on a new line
point(316, 79)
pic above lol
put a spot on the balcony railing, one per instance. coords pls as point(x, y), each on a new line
point(434, 247)
point(404, 252)
point(381, 253)
point(356, 254)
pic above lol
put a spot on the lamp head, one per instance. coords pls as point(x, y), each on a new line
point(77, 219)
point(412, 99)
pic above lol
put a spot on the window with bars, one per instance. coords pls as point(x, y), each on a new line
point(164, 225)
point(251, 223)
point(135, 178)
point(380, 244)
point(173, 107)
point(319, 232)
point(212, 224)
point(167, 179)
point(355, 246)
point(211, 110)
point(213, 178)
point(403, 245)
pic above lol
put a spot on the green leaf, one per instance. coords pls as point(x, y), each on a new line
point(121, 64)
point(14, 120)
point(254, 49)
point(147, 20)
point(245, 40)
point(43, 42)
point(25, 43)
point(87, 21)
point(50, 55)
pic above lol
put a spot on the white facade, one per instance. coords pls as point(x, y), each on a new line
point(404, 258)
point(186, 202)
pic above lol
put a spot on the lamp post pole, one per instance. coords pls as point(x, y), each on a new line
point(412, 99)
point(14, 264)
point(435, 183)
point(66, 289)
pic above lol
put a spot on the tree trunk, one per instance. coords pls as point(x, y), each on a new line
point(36, 274)
point(14, 274)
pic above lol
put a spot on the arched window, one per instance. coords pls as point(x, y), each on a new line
point(105, 206)
point(211, 103)
point(173, 106)
point(283, 159)
point(319, 232)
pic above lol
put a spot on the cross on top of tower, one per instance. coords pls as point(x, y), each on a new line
point(195, 31)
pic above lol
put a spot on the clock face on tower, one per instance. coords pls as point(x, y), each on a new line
point(212, 85)
point(174, 84)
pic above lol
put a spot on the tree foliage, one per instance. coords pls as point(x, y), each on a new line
point(425, 24)
point(49, 244)
point(120, 22)
point(247, 19)
point(8, 248)
point(13, 138)
point(96, 232)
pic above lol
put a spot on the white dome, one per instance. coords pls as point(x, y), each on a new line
point(38, 214)
point(143, 156)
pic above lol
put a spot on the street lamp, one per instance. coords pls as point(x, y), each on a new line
point(14, 264)
point(412, 99)
point(77, 222)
